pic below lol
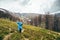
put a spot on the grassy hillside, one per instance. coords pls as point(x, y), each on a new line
point(30, 32)
point(5, 24)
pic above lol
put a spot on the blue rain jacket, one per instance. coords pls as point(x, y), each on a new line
point(19, 25)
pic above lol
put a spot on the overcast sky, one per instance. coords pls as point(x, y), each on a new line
point(29, 6)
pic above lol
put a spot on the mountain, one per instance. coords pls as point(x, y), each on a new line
point(4, 13)
point(7, 14)
point(26, 15)
point(57, 13)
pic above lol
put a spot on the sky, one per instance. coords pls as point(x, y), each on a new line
point(30, 6)
point(56, 6)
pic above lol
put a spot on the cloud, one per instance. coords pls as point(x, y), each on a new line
point(27, 6)
point(56, 6)
point(24, 2)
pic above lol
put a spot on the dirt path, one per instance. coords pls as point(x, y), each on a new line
point(26, 39)
point(7, 37)
point(23, 30)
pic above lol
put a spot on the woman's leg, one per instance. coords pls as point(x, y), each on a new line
point(20, 30)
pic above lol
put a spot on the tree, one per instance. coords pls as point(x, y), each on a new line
point(55, 28)
point(47, 20)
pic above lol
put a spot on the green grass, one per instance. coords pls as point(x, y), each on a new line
point(37, 33)
point(5, 24)
point(30, 32)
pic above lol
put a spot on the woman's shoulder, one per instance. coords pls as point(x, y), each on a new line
point(19, 23)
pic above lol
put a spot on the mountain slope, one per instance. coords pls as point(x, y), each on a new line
point(7, 14)
point(5, 25)
point(30, 32)
point(35, 33)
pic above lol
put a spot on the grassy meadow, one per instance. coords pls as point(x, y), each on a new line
point(30, 32)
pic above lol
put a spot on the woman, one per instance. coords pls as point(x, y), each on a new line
point(20, 26)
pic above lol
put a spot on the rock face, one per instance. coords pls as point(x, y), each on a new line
point(7, 14)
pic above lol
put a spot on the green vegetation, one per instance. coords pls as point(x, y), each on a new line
point(5, 24)
point(30, 32)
